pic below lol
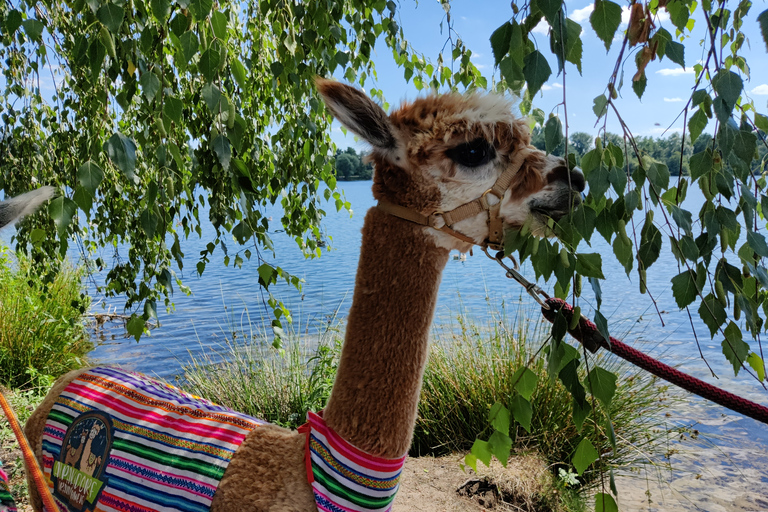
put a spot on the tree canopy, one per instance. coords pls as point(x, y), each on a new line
point(165, 113)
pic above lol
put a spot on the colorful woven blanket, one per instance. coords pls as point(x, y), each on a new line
point(6, 500)
point(121, 442)
point(345, 478)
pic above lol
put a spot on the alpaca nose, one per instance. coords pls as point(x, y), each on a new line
point(573, 177)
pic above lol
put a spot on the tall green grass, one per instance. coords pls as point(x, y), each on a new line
point(42, 328)
point(471, 366)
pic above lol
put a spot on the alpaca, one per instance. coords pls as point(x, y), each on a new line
point(73, 454)
point(437, 154)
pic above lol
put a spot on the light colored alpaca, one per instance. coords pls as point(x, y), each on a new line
point(433, 154)
point(73, 454)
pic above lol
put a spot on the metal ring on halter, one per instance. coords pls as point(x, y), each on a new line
point(532, 288)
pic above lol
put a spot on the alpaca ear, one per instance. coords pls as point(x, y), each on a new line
point(358, 113)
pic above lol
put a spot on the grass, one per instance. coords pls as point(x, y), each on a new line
point(471, 366)
point(42, 332)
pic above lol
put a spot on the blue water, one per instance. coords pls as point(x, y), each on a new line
point(226, 298)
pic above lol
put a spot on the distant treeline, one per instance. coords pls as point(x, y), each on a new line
point(660, 150)
point(350, 166)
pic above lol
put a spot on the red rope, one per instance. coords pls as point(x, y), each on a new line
point(586, 333)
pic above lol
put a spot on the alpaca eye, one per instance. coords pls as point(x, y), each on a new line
point(472, 154)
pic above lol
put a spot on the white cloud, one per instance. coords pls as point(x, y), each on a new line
point(760, 90)
point(546, 87)
point(673, 100)
point(542, 28)
point(580, 15)
point(558, 85)
point(675, 71)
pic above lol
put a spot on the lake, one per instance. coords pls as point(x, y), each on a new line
point(223, 295)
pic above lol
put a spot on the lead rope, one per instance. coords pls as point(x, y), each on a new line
point(29, 458)
point(587, 334)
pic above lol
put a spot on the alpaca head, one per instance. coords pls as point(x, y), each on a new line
point(441, 151)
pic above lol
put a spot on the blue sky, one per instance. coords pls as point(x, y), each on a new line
point(669, 86)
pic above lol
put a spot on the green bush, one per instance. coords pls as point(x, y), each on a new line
point(42, 328)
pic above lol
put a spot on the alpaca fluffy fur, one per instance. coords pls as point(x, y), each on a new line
point(373, 403)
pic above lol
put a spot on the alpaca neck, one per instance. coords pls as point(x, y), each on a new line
point(374, 400)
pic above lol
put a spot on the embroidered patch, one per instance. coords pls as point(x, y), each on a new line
point(116, 441)
point(77, 474)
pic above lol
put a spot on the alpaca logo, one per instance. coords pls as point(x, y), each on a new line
point(77, 475)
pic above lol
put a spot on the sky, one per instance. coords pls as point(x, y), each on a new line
point(669, 86)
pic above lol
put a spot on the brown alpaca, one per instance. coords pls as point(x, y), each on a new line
point(432, 155)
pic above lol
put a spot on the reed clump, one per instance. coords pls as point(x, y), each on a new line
point(471, 366)
point(43, 332)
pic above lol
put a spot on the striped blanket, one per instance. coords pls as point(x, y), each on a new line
point(121, 442)
point(116, 441)
point(344, 478)
point(6, 500)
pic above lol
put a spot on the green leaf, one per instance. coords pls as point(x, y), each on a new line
point(111, 16)
point(676, 52)
point(678, 13)
point(762, 19)
point(189, 45)
point(266, 273)
point(602, 385)
point(61, 210)
point(602, 324)
point(482, 450)
point(536, 71)
point(201, 8)
point(701, 163)
point(135, 326)
point(83, 199)
point(522, 412)
point(212, 97)
point(590, 265)
point(173, 108)
point(605, 20)
point(697, 124)
point(639, 85)
point(658, 175)
point(584, 456)
point(160, 9)
point(238, 72)
point(219, 24)
point(684, 288)
point(13, 22)
point(604, 502)
point(499, 417)
point(600, 105)
point(512, 73)
point(650, 242)
point(728, 86)
point(550, 9)
point(622, 248)
point(500, 41)
point(757, 364)
point(712, 313)
point(471, 461)
point(526, 382)
point(148, 223)
point(617, 176)
point(734, 348)
point(122, 152)
point(209, 63)
point(757, 242)
point(501, 446)
point(553, 134)
point(573, 43)
point(34, 29)
point(744, 145)
point(90, 175)
point(150, 84)
point(222, 149)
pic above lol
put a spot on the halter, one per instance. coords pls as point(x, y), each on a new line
point(444, 221)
